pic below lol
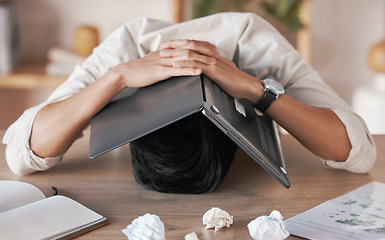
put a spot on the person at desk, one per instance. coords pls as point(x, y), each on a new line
point(237, 51)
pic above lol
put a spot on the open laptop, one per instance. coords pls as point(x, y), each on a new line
point(134, 114)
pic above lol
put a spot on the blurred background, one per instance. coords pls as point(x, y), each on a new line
point(42, 40)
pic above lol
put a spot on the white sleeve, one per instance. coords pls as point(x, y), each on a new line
point(121, 46)
point(263, 52)
point(309, 88)
point(20, 159)
point(306, 85)
point(15, 159)
point(363, 154)
point(252, 43)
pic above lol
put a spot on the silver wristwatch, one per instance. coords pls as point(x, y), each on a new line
point(272, 90)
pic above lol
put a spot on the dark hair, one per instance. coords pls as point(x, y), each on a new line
point(189, 156)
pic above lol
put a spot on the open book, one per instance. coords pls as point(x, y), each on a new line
point(25, 213)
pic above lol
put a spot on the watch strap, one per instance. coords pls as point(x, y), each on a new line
point(266, 100)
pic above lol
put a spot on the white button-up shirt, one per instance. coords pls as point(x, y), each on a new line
point(252, 43)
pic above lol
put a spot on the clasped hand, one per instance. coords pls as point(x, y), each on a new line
point(190, 57)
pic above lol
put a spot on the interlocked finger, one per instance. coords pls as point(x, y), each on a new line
point(186, 54)
point(201, 47)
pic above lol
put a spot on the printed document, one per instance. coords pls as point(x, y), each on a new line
point(359, 214)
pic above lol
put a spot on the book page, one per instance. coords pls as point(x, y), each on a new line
point(48, 218)
point(358, 215)
point(15, 194)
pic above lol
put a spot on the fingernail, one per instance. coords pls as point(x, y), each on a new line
point(198, 70)
point(176, 64)
point(212, 60)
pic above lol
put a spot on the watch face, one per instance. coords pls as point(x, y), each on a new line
point(274, 86)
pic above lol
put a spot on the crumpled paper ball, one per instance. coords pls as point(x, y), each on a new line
point(217, 218)
point(268, 227)
point(146, 227)
point(191, 236)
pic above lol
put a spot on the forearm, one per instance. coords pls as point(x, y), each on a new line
point(57, 125)
point(318, 129)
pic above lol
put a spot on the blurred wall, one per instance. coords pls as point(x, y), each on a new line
point(342, 33)
point(48, 23)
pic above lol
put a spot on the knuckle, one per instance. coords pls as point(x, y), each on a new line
point(185, 41)
point(193, 44)
point(190, 54)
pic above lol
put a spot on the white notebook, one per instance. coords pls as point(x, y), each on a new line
point(25, 213)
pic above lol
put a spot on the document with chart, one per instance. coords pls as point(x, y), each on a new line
point(359, 214)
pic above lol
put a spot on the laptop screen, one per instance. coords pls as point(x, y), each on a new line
point(256, 135)
point(150, 108)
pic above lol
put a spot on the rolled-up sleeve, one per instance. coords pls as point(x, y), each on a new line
point(120, 46)
point(20, 159)
point(263, 52)
point(310, 89)
point(19, 156)
point(363, 153)
point(307, 86)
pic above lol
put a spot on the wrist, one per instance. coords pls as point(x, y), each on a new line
point(115, 77)
point(254, 89)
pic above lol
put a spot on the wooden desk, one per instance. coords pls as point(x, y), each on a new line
point(106, 185)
